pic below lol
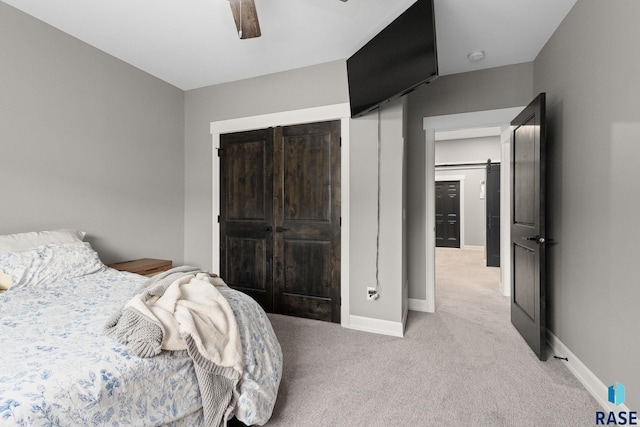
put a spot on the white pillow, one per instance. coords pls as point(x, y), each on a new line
point(24, 241)
point(48, 263)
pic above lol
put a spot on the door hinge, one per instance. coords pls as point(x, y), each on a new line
point(220, 151)
point(340, 221)
point(340, 141)
point(218, 219)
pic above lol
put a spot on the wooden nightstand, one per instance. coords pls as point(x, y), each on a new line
point(143, 266)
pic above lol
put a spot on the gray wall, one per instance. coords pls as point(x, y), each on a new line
point(495, 88)
point(364, 213)
point(468, 150)
point(89, 142)
point(590, 72)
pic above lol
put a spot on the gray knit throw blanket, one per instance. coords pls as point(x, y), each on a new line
point(143, 335)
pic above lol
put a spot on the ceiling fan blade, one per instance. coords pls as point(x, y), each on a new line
point(246, 17)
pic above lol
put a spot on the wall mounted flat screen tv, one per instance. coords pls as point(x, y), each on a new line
point(400, 58)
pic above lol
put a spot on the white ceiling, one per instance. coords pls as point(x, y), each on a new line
point(193, 43)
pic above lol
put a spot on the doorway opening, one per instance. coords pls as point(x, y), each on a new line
point(499, 119)
point(464, 161)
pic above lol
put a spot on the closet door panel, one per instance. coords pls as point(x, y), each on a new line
point(307, 220)
point(246, 213)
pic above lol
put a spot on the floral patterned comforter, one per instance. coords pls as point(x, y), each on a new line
point(57, 368)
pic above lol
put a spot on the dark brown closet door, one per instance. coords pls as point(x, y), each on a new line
point(280, 218)
point(307, 220)
point(246, 213)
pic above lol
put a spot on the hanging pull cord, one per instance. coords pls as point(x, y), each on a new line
point(378, 230)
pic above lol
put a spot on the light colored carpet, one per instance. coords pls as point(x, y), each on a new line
point(465, 365)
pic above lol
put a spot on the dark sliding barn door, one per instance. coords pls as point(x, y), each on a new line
point(447, 214)
point(287, 207)
point(492, 202)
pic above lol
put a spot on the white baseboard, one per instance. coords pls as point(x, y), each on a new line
point(589, 380)
point(377, 326)
point(419, 305)
point(473, 247)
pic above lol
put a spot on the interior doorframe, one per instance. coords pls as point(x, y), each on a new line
point(340, 112)
point(431, 125)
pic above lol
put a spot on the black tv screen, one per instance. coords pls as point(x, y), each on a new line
point(400, 58)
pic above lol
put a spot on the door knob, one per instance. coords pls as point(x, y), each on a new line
point(267, 229)
point(281, 229)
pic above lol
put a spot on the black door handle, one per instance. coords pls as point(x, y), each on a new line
point(267, 229)
point(535, 239)
point(281, 229)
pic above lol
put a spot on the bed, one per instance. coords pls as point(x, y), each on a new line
point(57, 366)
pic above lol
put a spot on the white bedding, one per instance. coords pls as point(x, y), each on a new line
point(58, 368)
